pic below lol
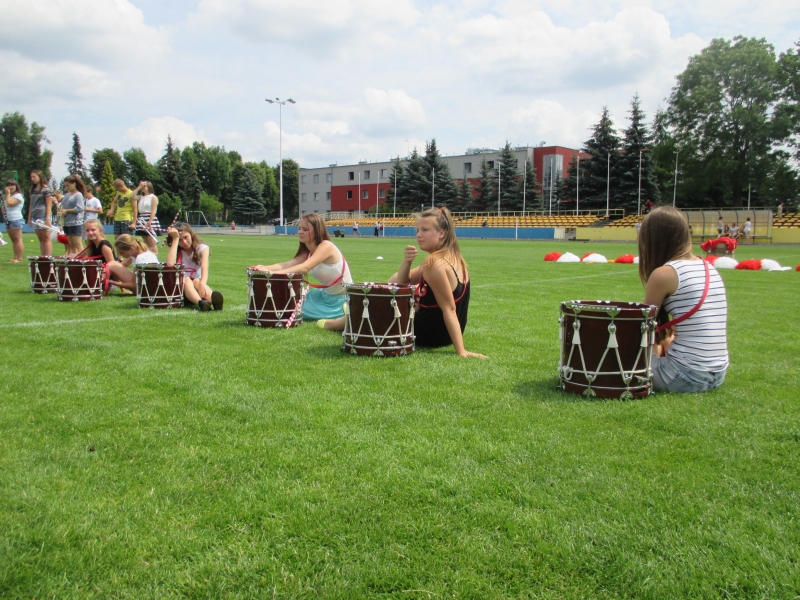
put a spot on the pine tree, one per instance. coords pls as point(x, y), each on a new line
point(636, 143)
point(269, 191)
point(415, 186)
point(75, 164)
point(248, 205)
point(395, 180)
point(169, 167)
point(532, 199)
point(192, 188)
point(444, 187)
point(508, 175)
point(487, 194)
point(118, 167)
point(573, 181)
point(107, 190)
point(464, 194)
point(603, 147)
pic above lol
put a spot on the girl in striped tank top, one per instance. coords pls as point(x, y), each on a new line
point(693, 354)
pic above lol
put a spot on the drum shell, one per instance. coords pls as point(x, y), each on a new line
point(281, 309)
point(159, 286)
point(389, 336)
point(631, 322)
point(43, 274)
point(79, 280)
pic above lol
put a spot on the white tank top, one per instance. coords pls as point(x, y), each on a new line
point(327, 274)
point(192, 270)
point(146, 204)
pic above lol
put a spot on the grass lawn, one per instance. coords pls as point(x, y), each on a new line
point(161, 454)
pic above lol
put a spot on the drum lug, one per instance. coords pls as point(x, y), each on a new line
point(589, 392)
point(626, 395)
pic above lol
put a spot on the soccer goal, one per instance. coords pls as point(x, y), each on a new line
point(196, 218)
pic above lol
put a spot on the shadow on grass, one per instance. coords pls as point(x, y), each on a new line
point(549, 388)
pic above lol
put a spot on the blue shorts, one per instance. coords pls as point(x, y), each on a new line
point(15, 224)
point(319, 304)
point(671, 377)
point(76, 230)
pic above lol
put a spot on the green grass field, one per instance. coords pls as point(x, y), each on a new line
point(165, 454)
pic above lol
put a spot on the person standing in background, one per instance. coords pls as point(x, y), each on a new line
point(12, 202)
point(121, 209)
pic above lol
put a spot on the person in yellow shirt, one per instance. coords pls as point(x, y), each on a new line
point(121, 209)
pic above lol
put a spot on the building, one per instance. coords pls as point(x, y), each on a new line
point(357, 188)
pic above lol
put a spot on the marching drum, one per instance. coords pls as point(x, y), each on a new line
point(380, 319)
point(159, 286)
point(80, 279)
point(274, 299)
point(43, 274)
point(606, 348)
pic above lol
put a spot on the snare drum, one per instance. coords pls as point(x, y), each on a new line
point(380, 319)
point(274, 299)
point(606, 348)
point(159, 286)
point(80, 280)
point(43, 275)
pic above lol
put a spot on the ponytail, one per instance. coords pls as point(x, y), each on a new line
point(126, 243)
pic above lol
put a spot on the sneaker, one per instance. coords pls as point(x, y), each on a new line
point(204, 306)
point(217, 300)
point(321, 323)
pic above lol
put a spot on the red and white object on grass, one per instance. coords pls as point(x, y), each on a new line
point(725, 262)
point(751, 264)
point(552, 256)
point(568, 257)
point(593, 257)
point(625, 259)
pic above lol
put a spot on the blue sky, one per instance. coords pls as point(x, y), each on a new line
point(371, 79)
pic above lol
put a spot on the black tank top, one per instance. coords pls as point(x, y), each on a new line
point(429, 326)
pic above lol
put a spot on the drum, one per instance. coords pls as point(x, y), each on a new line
point(379, 320)
point(80, 279)
point(43, 275)
point(159, 286)
point(606, 348)
point(274, 299)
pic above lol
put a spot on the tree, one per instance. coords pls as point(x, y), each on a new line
point(139, 169)
point(463, 194)
point(247, 203)
point(291, 188)
point(414, 187)
point(118, 166)
point(528, 185)
point(214, 169)
point(211, 207)
point(107, 190)
point(604, 149)
point(508, 175)
point(75, 164)
point(169, 166)
point(269, 191)
point(788, 109)
point(723, 116)
point(395, 181)
point(636, 143)
point(192, 188)
point(21, 147)
point(444, 188)
point(487, 194)
point(168, 207)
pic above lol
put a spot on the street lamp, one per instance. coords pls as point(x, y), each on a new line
point(280, 104)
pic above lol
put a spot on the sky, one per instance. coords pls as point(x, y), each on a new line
point(371, 79)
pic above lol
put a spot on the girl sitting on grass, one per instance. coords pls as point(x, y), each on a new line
point(693, 356)
point(133, 252)
point(318, 256)
point(97, 247)
point(442, 283)
point(187, 249)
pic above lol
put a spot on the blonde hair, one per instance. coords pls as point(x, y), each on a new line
point(664, 236)
point(126, 243)
point(448, 250)
point(97, 224)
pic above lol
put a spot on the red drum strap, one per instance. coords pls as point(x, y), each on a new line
point(685, 316)
point(337, 280)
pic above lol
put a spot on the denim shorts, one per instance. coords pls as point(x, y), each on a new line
point(73, 230)
point(15, 224)
point(121, 227)
point(671, 377)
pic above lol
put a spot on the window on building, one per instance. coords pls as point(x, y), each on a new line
point(302, 178)
point(303, 196)
point(327, 196)
point(349, 194)
point(490, 164)
point(365, 194)
point(384, 173)
point(468, 167)
point(552, 170)
point(351, 175)
point(381, 193)
point(329, 177)
point(316, 178)
point(316, 196)
point(366, 175)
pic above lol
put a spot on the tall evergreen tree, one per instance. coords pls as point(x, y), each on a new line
point(107, 190)
point(604, 149)
point(415, 185)
point(75, 164)
point(192, 188)
point(269, 192)
point(464, 194)
point(169, 166)
point(441, 181)
point(571, 183)
point(118, 166)
point(532, 199)
point(21, 147)
point(508, 175)
point(248, 205)
point(487, 189)
point(636, 144)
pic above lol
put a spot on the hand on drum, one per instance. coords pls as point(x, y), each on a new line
point(410, 254)
point(260, 268)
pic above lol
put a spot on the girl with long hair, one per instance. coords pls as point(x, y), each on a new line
point(133, 252)
point(189, 250)
point(40, 208)
point(97, 247)
point(12, 202)
point(145, 206)
point(72, 209)
point(692, 355)
point(442, 280)
point(318, 256)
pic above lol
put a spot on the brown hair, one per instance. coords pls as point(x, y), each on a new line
point(196, 241)
point(127, 242)
point(43, 183)
point(448, 251)
point(12, 182)
point(78, 183)
point(664, 236)
point(318, 227)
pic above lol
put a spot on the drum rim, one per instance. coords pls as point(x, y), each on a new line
point(368, 287)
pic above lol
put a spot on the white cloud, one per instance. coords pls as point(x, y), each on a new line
point(324, 127)
point(314, 26)
point(33, 82)
point(554, 124)
point(151, 135)
point(92, 32)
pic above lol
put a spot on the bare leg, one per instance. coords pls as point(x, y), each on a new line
point(75, 244)
point(45, 245)
point(190, 292)
point(121, 276)
point(197, 286)
point(335, 324)
point(16, 240)
point(393, 278)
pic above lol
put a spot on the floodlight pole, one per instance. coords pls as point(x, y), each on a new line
point(578, 187)
point(280, 104)
point(394, 211)
point(675, 185)
point(608, 186)
point(639, 201)
point(524, 182)
point(359, 193)
point(433, 187)
point(499, 168)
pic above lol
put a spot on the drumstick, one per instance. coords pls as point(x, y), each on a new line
point(175, 220)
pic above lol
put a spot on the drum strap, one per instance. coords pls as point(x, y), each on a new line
point(187, 272)
point(696, 307)
point(337, 280)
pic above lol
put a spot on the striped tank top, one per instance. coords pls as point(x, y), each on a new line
point(701, 341)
